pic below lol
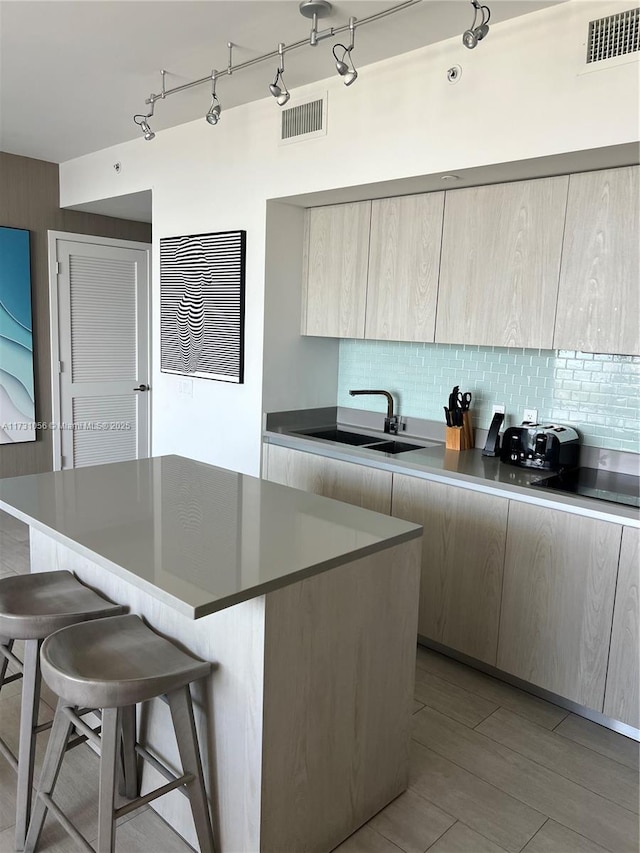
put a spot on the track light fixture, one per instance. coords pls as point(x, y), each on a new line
point(213, 116)
point(346, 71)
point(279, 88)
point(313, 9)
point(477, 32)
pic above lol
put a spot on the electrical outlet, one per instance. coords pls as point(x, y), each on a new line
point(185, 387)
point(497, 409)
point(530, 416)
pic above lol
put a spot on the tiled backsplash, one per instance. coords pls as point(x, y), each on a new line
point(597, 393)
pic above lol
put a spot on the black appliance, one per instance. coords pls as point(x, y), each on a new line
point(548, 448)
point(595, 483)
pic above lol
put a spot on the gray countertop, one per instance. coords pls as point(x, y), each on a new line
point(467, 468)
point(197, 537)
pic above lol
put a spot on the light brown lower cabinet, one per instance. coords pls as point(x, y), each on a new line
point(622, 695)
point(462, 559)
point(557, 602)
point(333, 478)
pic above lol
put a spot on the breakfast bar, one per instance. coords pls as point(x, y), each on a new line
point(306, 607)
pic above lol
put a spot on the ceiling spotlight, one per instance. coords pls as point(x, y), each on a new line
point(477, 31)
point(346, 70)
point(142, 119)
point(143, 124)
point(213, 116)
point(279, 88)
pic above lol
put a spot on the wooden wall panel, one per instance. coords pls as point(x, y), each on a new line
point(339, 668)
point(29, 198)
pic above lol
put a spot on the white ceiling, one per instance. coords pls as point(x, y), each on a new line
point(72, 74)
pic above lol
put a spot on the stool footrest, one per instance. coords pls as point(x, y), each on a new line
point(42, 727)
point(9, 678)
point(81, 726)
point(153, 795)
point(75, 741)
point(158, 765)
point(11, 758)
point(66, 823)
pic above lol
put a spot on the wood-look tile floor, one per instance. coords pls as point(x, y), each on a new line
point(493, 769)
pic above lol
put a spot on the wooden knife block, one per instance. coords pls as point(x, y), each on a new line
point(460, 438)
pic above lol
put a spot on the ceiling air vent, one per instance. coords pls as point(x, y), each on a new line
point(304, 121)
point(614, 36)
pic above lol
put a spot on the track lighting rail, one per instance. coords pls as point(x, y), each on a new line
point(344, 63)
point(231, 69)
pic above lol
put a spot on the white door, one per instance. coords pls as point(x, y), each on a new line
point(102, 295)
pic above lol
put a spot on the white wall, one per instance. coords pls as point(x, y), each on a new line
point(520, 96)
point(298, 372)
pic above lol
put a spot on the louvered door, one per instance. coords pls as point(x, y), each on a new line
point(103, 344)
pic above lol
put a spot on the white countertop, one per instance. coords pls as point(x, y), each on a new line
point(197, 537)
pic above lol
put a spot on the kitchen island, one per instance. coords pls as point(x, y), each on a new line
point(306, 606)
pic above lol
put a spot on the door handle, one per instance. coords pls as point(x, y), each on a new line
point(142, 388)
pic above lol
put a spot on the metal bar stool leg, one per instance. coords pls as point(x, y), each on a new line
point(185, 729)
point(111, 729)
point(129, 782)
point(27, 746)
point(50, 769)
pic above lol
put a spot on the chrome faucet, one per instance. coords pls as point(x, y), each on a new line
point(391, 422)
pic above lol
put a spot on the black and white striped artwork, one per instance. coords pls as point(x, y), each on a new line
point(202, 280)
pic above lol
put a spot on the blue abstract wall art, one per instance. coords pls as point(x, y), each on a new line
point(17, 400)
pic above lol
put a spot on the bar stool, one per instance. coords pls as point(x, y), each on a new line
point(111, 665)
point(31, 608)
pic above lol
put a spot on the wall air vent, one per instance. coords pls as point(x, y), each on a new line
point(304, 121)
point(616, 35)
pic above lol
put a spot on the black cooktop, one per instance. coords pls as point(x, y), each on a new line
point(595, 483)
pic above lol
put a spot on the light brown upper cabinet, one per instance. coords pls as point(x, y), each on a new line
point(622, 696)
point(337, 259)
point(404, 262)
point(598, 299)
point(557, 601)
point(500, 264)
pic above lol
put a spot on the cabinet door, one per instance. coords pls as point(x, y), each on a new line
point(337, 261)
point(557, 601)
point(404, 262)
point(622, 696)
point(343, 481)
point(598, 300)
point(501, 263)
point(462, 561)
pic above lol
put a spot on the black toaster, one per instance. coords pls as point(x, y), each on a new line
point(547, 448)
